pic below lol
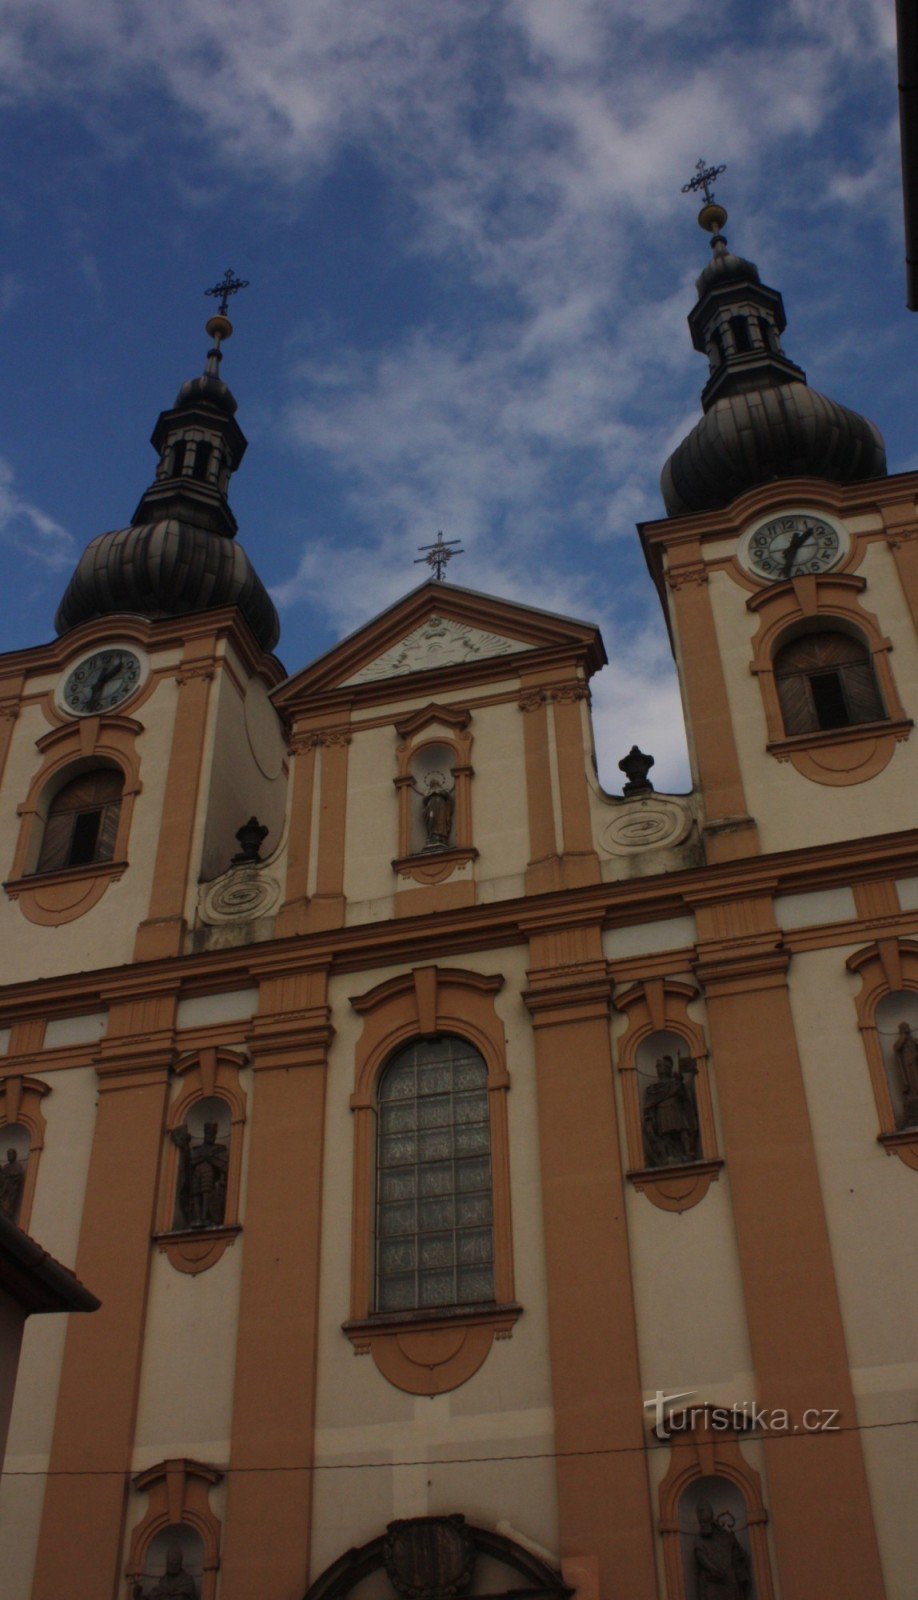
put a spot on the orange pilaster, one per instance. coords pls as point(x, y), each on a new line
point(163, 931)
point(82, 1530)
point(271, 1454)
point(791, 1297)
point(729, 831)
point(604, 1505)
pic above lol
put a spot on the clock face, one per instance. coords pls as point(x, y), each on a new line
point(101, 682)
point(792, 547)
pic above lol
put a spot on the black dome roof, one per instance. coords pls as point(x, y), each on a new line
point(210, 390)
point(166, 569)
point(784, 431)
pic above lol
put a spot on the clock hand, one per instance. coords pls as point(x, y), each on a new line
point(800, 537)
point(100, 679)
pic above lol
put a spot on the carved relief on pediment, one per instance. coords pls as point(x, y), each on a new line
point(438, 642)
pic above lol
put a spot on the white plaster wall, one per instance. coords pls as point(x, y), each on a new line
point(362, 1420)
point(247, 773)
point(648, 938)
point(206, 1010)
point(371, 843)
point(55, 1222)
point(815, 908)
point(186, 1386)
point(871, 1204)
point(500, 822)
point(189, 1353)
point(793, 811)
point(689, 1305)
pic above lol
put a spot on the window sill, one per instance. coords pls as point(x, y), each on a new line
point(839, 756)
point(677, 1187)
point(431, 1352)
point(193, 1250)
point(52, 898)
point(903, 1143)
point(89, 869)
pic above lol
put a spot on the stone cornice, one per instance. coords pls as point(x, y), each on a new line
point(361, 947)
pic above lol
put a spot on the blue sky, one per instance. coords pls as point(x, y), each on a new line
point(470, 268)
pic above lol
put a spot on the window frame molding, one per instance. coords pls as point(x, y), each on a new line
point(210, 1073)
point(20, 1107)
point(53, 898)
point(428, 1352)
point(886, 967)
point(660, 1005)
point(830, 601)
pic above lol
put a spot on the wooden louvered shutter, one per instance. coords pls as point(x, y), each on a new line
point(98, 791)
point(862, 695)
point(796, 703)
point(55, 846)
point(813, 655)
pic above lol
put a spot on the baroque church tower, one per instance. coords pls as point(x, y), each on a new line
point(492, 1185)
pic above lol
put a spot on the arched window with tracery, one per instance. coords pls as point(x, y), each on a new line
point(826, 680)
point(434, 1237)
point(82, 821)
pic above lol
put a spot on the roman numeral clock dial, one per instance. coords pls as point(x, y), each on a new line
point(792, 546)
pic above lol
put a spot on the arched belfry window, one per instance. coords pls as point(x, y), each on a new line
point(82, 821)
point(434, 1238)
point(826, 680)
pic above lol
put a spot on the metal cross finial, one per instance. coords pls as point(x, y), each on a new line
point(438, 555)
point(230, 285)
point(704, 177)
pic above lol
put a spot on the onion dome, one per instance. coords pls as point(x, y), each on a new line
point(762, 422)
point(179, 554)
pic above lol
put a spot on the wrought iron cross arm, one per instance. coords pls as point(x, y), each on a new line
point(704, 177)
point(229, 285)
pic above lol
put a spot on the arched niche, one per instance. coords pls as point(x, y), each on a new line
point(207, 1090)
point(175, 1542)
point(666, 1075)
point(716, 1555)
point(206, 1120)
point(897, 1032)
point(15, 1145)
point(669, 1126)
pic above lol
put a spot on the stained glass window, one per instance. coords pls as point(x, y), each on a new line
point(434, 1242)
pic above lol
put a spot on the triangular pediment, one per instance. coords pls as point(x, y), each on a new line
point(438, 642)
point(439, 628)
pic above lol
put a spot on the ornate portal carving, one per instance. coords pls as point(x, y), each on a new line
point(429, 1556)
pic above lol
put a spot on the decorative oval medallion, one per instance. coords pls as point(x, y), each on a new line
point(650, 822)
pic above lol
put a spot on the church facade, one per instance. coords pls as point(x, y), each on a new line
point(492, 1185)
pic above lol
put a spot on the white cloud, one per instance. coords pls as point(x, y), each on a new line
point(30, 529)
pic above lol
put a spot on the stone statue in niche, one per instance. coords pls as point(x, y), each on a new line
point(201, 1193)
point(670, 1114)
point(721, 1564)
point(437, 808)
point(12, 1183)
point(175, 1583)
point(905, 1050)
